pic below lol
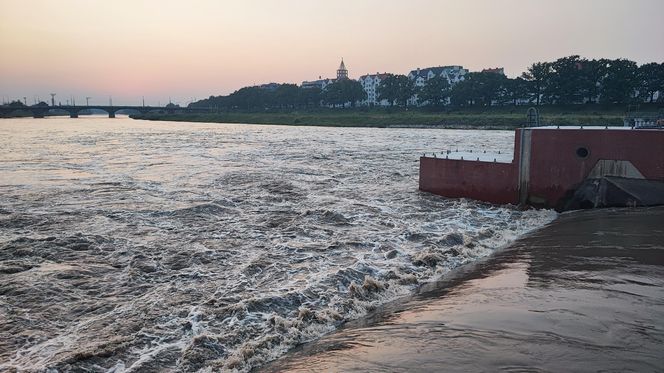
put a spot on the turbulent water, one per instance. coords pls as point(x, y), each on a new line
point(147, 246)
point(583, 294)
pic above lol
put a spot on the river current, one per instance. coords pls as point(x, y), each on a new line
point(132, 246)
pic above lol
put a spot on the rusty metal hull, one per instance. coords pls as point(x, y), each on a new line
point(549, 165)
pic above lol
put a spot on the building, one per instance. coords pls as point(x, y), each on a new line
point(495, 70)
point(320, 83)
point(453, 74)
point(342, 73)
point(269, 86)
point(370, 83)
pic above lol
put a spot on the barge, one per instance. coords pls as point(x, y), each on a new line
point(563, 168)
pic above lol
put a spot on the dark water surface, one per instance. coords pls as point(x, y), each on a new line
point(584, 294)
point(129, 246)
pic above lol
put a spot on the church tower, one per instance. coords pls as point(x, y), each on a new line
point(342, 73)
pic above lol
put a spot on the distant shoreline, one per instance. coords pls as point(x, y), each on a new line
point(494, 117)
point(267, 121)
point(502, 119)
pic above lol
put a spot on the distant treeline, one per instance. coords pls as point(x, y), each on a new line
point(568, 80)
point(258, 98)
point(19, 104)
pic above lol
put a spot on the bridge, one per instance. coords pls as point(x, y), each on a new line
point(73, 111)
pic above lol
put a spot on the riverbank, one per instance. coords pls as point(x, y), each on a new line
point(583, 294)
point(488, 118)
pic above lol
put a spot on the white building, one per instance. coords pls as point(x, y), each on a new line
point(453, 74)
point(320, 83)
point(370, 83)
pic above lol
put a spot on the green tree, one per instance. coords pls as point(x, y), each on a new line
point(388, 89)
point(650, 79)
point(514, 90)
point(286, 95)
point(463, 93)
point(566, 80)
point(479, 88)
point(332, 95)
point(619, 83)
point(310, 96)
point(352, 91)
point(250, 98)
point(435, 92)
point(396, 89)
point(16, 103)
point(592, 73)
point(489, 87)
point(539, 74)
point(407, 89)
point(344, 91)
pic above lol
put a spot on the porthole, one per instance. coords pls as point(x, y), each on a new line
point(582, 152)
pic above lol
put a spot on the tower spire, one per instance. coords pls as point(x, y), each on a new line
point(342, 72)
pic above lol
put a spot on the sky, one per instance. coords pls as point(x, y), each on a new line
point(187, 50)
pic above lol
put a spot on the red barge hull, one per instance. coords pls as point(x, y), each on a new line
point(553, 166)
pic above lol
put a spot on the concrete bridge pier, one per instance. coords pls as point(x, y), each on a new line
point(73, 115)
point(111, 114)
point(38, 115)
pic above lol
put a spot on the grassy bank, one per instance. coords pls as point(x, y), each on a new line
point(493, 118)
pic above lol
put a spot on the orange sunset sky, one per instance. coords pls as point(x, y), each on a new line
point(196, 48)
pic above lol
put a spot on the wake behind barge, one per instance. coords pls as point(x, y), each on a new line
point(564, 168)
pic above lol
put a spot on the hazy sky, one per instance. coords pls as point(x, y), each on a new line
point(196, 48)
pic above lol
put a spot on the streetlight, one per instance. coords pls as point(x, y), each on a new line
point(87, 101)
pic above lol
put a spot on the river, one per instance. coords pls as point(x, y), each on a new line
point(131, 246)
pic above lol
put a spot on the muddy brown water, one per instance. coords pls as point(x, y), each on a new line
point(584, 294)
